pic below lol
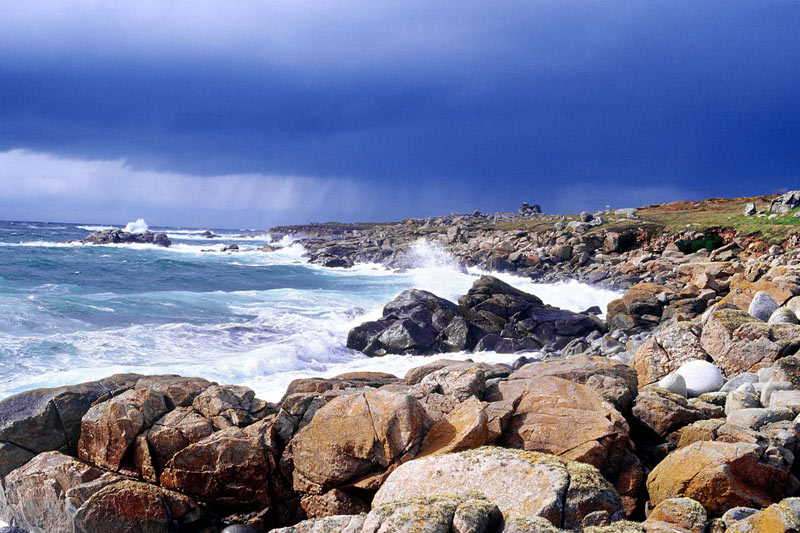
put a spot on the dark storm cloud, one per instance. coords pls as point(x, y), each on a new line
point(414, 107)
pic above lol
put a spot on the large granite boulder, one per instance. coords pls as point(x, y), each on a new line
point(355, 439)
point(230, 468)
point(519, 483)
point(720, 476)
point(615, 381)
point(785, 202)
point(43, 420)
point(109, 428)
point(464, 428)
point(231, 406)
point(170, 434)
point(36, 492)
point(568, 420)
point(128, 505)
point(667, 350)
point(738, 342)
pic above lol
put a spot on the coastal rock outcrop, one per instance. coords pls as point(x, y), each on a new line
point(492, 316)
point(118, 236)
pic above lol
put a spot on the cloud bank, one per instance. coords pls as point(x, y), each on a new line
point(397, 108)
point(113, 186)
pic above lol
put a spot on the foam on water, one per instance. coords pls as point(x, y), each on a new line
point(139, 226)
point(255, 318)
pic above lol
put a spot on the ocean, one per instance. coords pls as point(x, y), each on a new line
point(71, 312)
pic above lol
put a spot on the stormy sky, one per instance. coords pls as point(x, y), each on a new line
point(250, 114)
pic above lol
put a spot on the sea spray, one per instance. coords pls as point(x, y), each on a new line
point(140, 226)
point(78, 312)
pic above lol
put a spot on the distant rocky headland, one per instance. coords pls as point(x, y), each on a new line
point(676, 409)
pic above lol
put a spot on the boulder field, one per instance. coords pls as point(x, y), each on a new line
point(566, 444)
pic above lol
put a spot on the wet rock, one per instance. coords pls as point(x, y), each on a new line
point(118, 236)
point(496, 308)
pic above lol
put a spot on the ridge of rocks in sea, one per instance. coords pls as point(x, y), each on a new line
point(118, 236)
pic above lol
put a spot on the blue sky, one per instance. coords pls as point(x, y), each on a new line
point(249, 114)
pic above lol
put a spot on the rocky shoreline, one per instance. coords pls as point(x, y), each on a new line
point(679, 411)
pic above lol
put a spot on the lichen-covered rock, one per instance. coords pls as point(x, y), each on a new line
point(440, 514)
point(684, 513)
point(781, 517)
point(353, 436)
point(719, 475)
point(738, 342)
point(169, 435)
point(109, 428)
point(464, 428)
point(178, 391)
point(569, 420)
point(35, 493)
point(668, 350)
point(615, 381)
point(329, 524)
point(520, 483)
point(231, 406)
point(134, 506)
point(787, 369)
point(230, 468)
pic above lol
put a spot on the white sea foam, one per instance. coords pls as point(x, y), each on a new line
point(272, 336)
point(139, 226)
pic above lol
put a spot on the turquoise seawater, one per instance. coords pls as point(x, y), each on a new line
point(72, 312)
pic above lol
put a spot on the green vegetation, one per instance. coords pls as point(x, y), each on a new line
point(709, 242)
